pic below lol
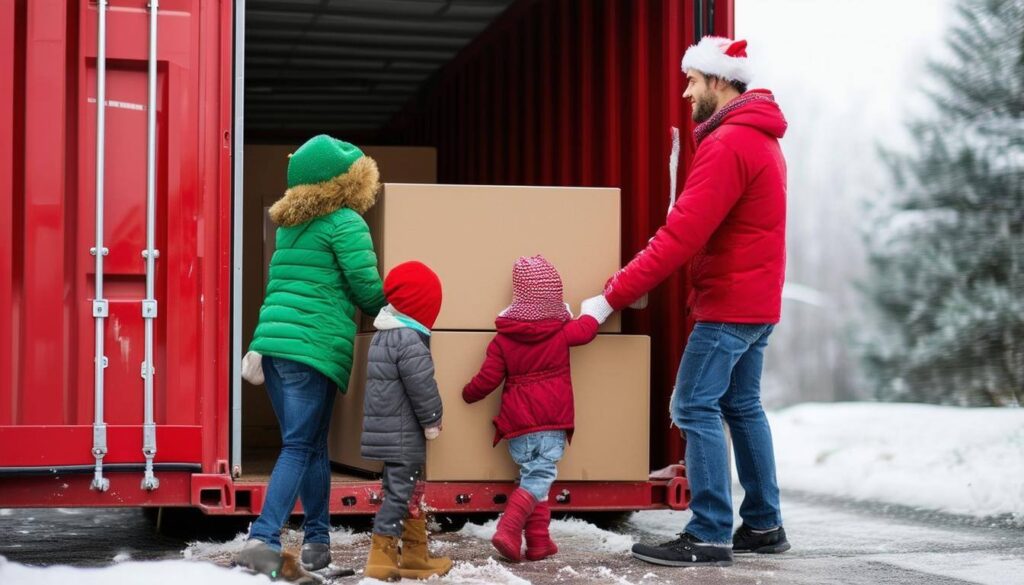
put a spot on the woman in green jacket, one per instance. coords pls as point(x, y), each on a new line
point(324, 268)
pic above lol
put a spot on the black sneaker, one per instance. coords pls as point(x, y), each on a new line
point(316, 556)
point(747, 541)
point(685, 551)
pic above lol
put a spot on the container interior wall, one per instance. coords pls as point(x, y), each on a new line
point(554, 92)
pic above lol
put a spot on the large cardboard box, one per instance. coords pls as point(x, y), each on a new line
point(347, 420)
point(611, 385)
point(471, 235)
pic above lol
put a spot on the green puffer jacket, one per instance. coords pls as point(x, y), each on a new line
point(323, 268)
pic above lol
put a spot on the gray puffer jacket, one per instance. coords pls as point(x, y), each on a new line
point(401, 397)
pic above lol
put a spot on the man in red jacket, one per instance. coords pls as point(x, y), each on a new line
point(730, 224)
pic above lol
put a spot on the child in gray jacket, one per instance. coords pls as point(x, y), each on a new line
point(401, 410)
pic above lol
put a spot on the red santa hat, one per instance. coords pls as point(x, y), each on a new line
point(721, 57)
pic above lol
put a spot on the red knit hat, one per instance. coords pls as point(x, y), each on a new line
point(536, 292)
point(413, 289)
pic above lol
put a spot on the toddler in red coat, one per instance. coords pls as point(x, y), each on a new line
point(530, 354)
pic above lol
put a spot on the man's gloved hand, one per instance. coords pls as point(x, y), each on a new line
point(597, 307)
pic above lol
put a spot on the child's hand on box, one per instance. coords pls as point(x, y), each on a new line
point(432, 432)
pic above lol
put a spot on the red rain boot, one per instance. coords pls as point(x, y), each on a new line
point(509, 537)
point(539, 545)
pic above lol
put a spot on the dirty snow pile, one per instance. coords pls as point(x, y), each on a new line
point(967, 461)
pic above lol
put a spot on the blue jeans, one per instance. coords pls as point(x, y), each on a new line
point(537, 455)
point(720, 378)
point(302, 398)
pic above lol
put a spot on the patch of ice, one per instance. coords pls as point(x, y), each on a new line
point(6, 512)
point(122, 557)
point(128, 573)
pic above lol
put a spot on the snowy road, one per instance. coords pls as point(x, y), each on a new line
point(834, 542)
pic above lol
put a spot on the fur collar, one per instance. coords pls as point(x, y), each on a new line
point(357, 189)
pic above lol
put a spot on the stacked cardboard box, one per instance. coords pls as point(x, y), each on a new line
point(471, 235)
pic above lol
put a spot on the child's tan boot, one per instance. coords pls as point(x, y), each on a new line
point(382, 563)
point(416, 560)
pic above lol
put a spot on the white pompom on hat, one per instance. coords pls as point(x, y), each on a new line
point(720, 57)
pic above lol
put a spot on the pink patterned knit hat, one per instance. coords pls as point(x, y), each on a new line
point(536, 292)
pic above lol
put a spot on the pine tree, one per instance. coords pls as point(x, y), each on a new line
point(946, 256)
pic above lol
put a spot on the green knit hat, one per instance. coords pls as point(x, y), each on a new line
point(321, 159)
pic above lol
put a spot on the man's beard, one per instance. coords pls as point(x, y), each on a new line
point(704, 108)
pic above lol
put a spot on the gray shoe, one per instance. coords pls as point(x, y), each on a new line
point(257, 556)
point(315, 556)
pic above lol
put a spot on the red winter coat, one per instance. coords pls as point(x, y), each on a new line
point(730, 219)
point(533, 359)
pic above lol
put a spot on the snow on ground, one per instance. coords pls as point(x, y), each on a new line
point(128, 573)
point(967, 461)
point(961, 461)
point(972, 567)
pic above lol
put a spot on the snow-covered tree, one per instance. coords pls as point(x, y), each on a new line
point(947, 252)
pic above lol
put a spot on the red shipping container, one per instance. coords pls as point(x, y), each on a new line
point(555, 92)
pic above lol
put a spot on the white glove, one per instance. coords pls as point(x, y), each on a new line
point(252, 368)
point(432, 433)
point(597, 307)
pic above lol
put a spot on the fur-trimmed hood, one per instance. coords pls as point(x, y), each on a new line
point(356, 189)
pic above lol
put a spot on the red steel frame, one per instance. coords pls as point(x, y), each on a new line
point(504, 111)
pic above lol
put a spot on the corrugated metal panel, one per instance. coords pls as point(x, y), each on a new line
point(48, 115)
point(588, 97)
